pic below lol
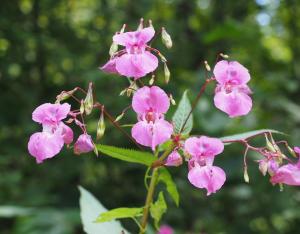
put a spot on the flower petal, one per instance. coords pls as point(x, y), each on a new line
point(150, 99)
point(211, 178)
point(174, 159)
point(234, 104)
point(288, 174)
point(110, 67)
point(67, 133)
point(162, 131)
point(231, 72)
point(43, 145)
point(51, 113)
point(142, 132)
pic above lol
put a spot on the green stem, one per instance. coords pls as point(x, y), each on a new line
point(149, 199)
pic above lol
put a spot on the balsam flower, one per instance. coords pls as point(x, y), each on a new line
point(84, 144)
point(202, 173)
point(55, 134)
point(232, 92)
point(174, 159)
point(165, 229)
point(288, 174)
point(150, 104)
point(135, 60)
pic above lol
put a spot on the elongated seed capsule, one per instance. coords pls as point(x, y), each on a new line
point(89, 101)
point(166, 38)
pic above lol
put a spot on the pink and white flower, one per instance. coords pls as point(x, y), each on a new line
point(150, 104)
point(135, 60)
point(232, 91)
point(174, 159)
point(202, 173)
point(55, 134)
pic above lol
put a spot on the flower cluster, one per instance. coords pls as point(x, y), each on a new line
point(49, 142)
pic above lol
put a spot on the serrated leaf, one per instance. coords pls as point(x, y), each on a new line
point(127, 155)
point(245, 135)
point(183, 109)
point(166, 178)
point(90, 208)
point(119, 213)
point(158, 208)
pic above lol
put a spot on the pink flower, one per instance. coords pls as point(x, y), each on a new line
point(297, 150)
point(55, 134)
point(84, 144)
point(288, 174)
point(150, 103)
point(174, 159)
point(135, 61)
point(209, 177)
point(232, 92)
point(165, 229)
point(202, 173)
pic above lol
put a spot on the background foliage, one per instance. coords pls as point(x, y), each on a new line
point(47, 46)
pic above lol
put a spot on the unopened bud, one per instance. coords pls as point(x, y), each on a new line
point(123, 28)
point(167, 73)
point(292, 152)
point(246, 176)
point(119, 117)
point(123, 92)
point(150, 24)
point(151, 81)
point(207, 66)
point(163, 58)
point(64, 95)
point(269, 145)
point(81, 107)
point(225, 56)
point(89, 101)
point(101, 126)
point(141, 25)
point(173, 102)
point(113, 49)
point(166, 38)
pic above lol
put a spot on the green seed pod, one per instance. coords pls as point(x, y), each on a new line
point(167, 73)
point(166, 38)
point(101, 126)
point(89, 101)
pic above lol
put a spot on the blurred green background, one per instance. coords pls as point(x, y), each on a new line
point(48, 46)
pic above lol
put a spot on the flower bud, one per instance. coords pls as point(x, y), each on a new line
point(207, 66)
point(101, 126)
point(174, 159)
point(163, 58)
point(89, 102)
point(81, 107)
point(123, 28)
point(225, 56)
point(119, 117)
point(113, 49)
point(64, 95)
point(151, 81)
point(150, 24)
point(173, 102)
point(269, 145)
point(167, 73)
point(166, 38)
point(141, 25)
point(246, 176)
point(84, 144)
point(292, 152)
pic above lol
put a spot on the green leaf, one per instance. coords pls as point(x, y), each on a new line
point(245, 135)
point(158, 208)
point(165, 177)
point(183, 109)
point(128, 155)
point(119, 213)
point(90, 208)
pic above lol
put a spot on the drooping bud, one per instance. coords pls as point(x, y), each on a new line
point(141, 25)
point(151, 81)
point(173, 102)
point(225, 56)
point(166, 38)
point(64, 95)
point(101, 125)
point(269, 145)
point(119, 117)
point(174, 159)
point(167, 73)
point(150, 24)
point(163, 58)
point(123, 28)
point(81, 107)
point(123, 92)
point(89, 101)
point(246, 176)
point(291, 151)
point(263, 166)
point(207, 67)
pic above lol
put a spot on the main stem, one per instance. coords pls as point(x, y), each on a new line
point(149, 199)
